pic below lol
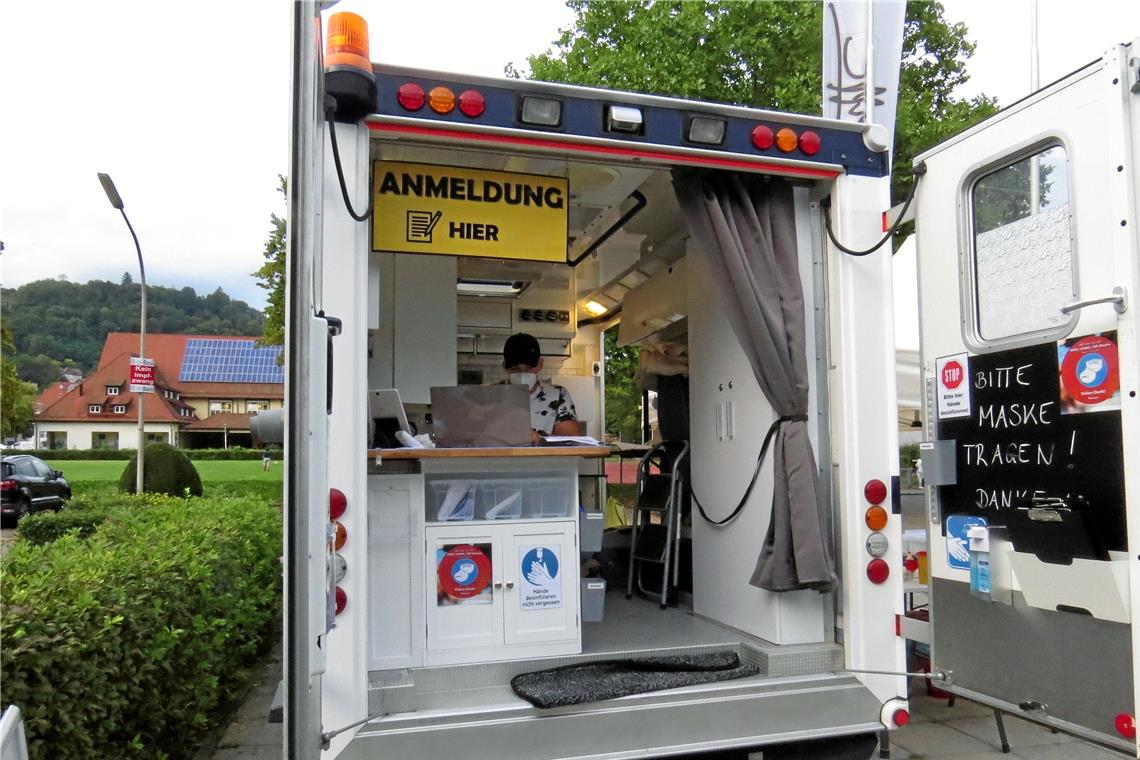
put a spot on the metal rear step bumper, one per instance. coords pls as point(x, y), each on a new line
point(468, 711)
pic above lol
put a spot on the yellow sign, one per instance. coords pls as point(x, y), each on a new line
point(423, 208)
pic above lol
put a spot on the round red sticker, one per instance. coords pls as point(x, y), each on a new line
point(952, 374)
point(464, 571)
point(1090, 371)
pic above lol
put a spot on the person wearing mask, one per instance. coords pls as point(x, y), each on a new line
point(551, 407)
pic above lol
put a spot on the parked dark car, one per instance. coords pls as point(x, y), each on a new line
point(27, 485)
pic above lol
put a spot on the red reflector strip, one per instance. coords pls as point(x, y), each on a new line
point(675, 158)
point(885, 225)
point(898, 625)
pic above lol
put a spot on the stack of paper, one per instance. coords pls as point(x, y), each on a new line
point(458, 503)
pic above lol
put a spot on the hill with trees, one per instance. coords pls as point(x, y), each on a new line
point(55, 323)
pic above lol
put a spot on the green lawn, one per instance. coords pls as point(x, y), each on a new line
point(210, 471)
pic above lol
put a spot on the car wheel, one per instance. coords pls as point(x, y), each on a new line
point(23, 509)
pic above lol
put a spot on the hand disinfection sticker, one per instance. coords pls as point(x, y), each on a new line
point(958, 541)
point(540, 588)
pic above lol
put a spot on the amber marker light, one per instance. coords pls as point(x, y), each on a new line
point(441, 99)
point(876, 518)
point(787, 140)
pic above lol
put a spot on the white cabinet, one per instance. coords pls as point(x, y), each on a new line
point(395, 571)
point(501, 591)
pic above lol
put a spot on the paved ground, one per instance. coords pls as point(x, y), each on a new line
point(7, 536)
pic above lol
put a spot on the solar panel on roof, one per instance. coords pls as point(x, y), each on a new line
point(219, 360)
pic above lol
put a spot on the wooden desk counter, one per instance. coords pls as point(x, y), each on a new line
point(586, 452)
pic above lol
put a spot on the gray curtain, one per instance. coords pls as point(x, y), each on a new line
point(744, 230)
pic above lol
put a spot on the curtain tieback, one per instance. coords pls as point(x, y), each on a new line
point(755, 473)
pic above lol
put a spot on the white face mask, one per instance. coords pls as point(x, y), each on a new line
point(523, 378)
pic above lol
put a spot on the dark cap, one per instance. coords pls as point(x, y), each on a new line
point(522, 349)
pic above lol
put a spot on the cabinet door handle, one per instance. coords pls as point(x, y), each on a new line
point(498, 584)
point(510, 584)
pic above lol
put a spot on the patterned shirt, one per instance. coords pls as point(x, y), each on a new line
point(550, 403)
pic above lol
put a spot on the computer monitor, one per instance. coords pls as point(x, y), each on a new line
point(481, 415)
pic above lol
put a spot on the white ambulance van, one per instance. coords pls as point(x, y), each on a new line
point(440, 600)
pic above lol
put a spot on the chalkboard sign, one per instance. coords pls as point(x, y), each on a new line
point(1043, 420)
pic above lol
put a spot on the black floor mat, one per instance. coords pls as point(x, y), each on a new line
point(609, 679)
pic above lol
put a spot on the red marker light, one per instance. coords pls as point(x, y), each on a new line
point(1126, 726)
point(411, 96)
point(338, 502)
point(810, 143)
point(878, 571)
point(901, 717)
point(763, 137)
point(471, 103)
point(341, 600)
point(875, 491)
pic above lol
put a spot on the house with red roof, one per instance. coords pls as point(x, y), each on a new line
point(206, 389)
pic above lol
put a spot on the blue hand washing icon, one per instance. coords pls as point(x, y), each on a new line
point(540, 566)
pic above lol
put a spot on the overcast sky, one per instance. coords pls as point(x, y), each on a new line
point(185, 104)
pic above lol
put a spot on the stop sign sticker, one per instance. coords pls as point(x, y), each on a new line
point(953, 386)
point(1090, 373)
point(952, 374)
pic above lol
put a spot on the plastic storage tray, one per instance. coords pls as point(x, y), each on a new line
point(478, 497)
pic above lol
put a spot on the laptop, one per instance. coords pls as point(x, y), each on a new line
point(385, 417)
point(480, 415)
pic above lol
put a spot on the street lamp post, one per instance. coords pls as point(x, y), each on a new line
point(117, 202)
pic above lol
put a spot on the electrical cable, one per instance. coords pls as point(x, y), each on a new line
point(755, 473)
point(919, 171)
point(330, 111)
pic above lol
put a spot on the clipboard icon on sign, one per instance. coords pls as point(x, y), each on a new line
point(421, 224)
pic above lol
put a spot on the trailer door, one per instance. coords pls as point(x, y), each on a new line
point(1030, 368)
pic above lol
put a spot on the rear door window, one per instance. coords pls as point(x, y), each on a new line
point(1022, 248)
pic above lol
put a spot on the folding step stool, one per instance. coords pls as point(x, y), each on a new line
point(660, 495)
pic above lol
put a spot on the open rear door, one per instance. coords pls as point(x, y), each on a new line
point(1030, 369)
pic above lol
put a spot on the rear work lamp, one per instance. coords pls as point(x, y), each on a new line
point(542, 112)
point(705, 130)
point(624, 119)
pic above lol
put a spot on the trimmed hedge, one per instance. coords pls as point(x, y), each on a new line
point(167, 471)
point(45, 527)
point(234, 453)
point(129, 643)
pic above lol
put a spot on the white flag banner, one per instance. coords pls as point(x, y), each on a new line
point(846, 44)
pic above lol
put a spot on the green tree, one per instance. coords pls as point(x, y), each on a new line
point(623, 398)
point(762, 54)
point(16, 396)
point(272, 277)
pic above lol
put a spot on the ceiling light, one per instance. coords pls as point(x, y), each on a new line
point(595, 308)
